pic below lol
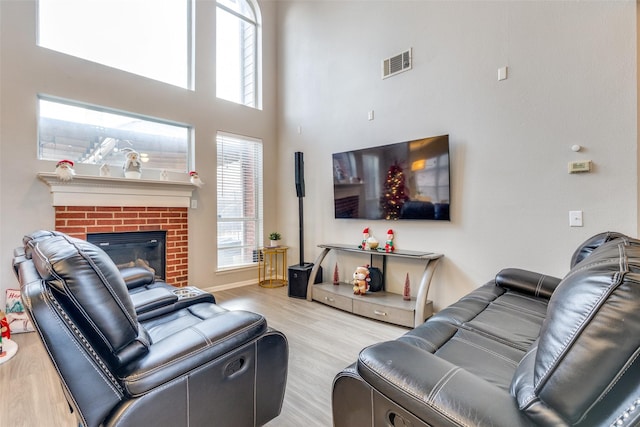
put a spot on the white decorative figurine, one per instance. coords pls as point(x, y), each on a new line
point(105, 170)
point(64, 170)
point(132, 166)
point(195, 179)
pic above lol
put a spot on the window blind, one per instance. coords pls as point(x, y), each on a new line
point(240, 199)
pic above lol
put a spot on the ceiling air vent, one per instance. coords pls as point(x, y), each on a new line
point(396, 64)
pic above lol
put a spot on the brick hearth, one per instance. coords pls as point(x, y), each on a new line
point(77, 221)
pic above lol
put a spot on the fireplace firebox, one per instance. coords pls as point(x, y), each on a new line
point(145, 249)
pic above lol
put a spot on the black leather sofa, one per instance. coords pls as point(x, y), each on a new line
point(523, 350)
point(192, 363)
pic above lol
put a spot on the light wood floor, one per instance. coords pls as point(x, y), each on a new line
point(322, 341)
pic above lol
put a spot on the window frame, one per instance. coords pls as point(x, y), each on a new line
point(189, 156)
point(257, 54)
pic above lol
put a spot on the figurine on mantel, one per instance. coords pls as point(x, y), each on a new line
point(132, 166)
point(195, 179)
point(64, 170)
point(105, 170)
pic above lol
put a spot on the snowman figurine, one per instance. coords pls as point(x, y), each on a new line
point(132, 166)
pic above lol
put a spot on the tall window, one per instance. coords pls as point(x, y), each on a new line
point(239, 191)
point(237, 52)
point(137, 36)
point(95, 135)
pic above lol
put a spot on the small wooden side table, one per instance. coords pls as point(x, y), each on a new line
point(272, 266)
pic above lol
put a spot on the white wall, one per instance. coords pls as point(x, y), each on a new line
point(572, 80)
point(27, 70)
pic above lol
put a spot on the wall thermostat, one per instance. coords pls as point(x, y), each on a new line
point(580, 166)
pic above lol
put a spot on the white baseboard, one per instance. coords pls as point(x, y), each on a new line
point(226, 286)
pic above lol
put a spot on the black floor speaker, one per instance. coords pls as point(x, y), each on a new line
point(299, 277)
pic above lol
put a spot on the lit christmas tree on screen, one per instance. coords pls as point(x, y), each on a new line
point(395, 192)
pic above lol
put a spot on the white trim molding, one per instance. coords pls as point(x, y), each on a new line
point(86, 190)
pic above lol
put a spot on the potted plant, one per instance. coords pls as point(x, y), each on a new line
point(275, 238)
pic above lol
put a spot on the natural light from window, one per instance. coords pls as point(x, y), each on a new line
point(239, 194)
point(93, 135)
point(237, 40)
point(136, 36)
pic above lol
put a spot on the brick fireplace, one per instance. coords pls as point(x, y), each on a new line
point(78, 221)
point(88, 205)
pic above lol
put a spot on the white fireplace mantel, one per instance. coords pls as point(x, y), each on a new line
point(86, 190)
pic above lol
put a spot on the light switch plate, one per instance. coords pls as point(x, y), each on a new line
point(575, 218)
point(502, 73)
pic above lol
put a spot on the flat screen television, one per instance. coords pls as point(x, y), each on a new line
point(406, 180)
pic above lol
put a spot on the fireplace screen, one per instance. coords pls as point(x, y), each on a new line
point(135, 249)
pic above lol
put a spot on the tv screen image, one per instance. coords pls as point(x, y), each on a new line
point(405, 180)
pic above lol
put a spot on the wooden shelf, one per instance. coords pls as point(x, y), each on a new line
point(385, 306)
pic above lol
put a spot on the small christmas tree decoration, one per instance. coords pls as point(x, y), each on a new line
point(336, 276)
point(406, 293)
point(64, 170)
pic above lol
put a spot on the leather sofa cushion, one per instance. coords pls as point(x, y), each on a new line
point(194, 335)
point(486, 333)
point(483, 356)
point(177, 320)
point(510, 317)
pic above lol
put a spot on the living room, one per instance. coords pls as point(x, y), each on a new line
point(571, 80)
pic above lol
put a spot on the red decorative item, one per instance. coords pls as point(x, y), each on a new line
point(4, 326)
point(406, 293)
point(336, 276)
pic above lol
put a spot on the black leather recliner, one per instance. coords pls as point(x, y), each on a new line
point(524, 349)
point(198, 365)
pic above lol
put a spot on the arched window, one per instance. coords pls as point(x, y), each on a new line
point(238, 52)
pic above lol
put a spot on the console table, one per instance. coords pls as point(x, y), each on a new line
point(385, 306)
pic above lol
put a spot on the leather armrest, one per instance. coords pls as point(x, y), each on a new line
point(530, 282)
point(191, 348)
point(151, 299)
point(434, 389)
point(135, 277)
